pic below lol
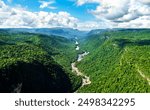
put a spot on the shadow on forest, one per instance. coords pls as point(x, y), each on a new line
point(34, 78)
point(123, 42)
point(143, 42)
point(2, 43)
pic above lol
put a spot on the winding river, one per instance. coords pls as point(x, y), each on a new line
point(85, 79)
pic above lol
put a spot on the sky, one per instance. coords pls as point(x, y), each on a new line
point(77, 14)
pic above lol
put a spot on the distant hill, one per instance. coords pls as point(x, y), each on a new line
point(96, 31)
point(64, 32)
point(100, 31)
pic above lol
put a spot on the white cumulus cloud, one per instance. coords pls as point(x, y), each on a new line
point(47, 4)
point(121, 13)
point(147, 2)
point(81, 2)
point(20, 17)
point(108, 14)
point(89, 25)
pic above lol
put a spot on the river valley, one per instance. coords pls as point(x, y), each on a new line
point(85, 79)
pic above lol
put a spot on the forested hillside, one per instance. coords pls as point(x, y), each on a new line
point(119, 61)
point(116, 60)
point(36, 63)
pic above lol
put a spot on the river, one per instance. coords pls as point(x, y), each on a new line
point(85, 79)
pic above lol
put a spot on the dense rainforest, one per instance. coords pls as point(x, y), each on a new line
point(118, 61)
point(36, 63)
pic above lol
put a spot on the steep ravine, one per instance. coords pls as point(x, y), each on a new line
point(85, 79)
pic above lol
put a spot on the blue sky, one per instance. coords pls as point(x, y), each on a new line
point(62, 5)
point(78, 14)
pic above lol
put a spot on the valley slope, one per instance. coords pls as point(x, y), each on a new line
point(36, 63)
point(119, 61)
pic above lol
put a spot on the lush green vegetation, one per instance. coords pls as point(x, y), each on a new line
point(119, 62)
point(28, 61)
